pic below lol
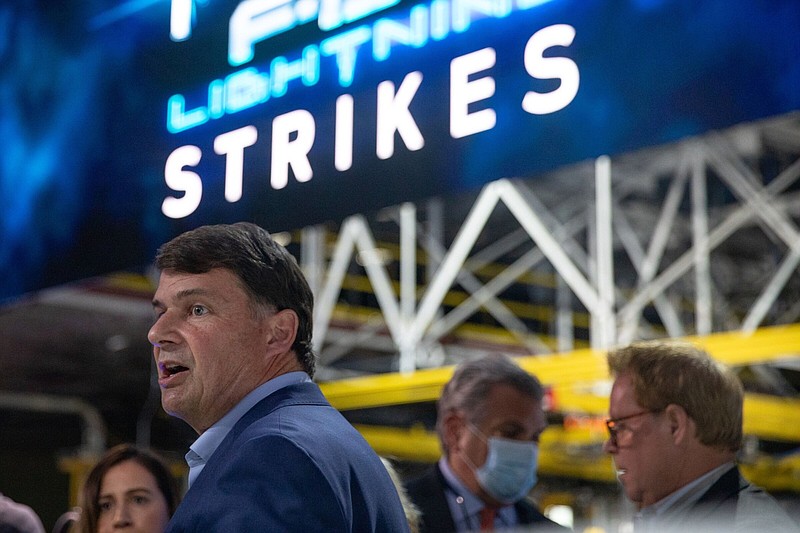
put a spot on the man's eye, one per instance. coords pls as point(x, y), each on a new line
point(198, 310)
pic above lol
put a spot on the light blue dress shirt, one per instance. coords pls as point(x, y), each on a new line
point(207, 443)
point(680, 501)
point(465, 507)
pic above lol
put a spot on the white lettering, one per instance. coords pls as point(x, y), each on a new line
point(180, 19)
point(306, 69)
point(394, 116)
point(472, 87)
point(387, 32)
point(187, 181)
point(232, 145)
point(546, 68)
point(463, 11)
point(343, 145)
point(334, 13)
point(291, 153)
point(464, 92)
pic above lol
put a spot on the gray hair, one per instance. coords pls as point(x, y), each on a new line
point(470, 385)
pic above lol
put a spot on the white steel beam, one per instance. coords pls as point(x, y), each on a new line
point(549, 245)
point(700, 248)
point(605, 253)
point(770, 293)
point(451, 265)
point(408, 283)
point(636, 254)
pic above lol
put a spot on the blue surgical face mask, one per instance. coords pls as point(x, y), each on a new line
point(509, 472)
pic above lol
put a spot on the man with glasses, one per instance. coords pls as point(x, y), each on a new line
point(674, 431)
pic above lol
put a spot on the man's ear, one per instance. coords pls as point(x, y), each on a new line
point(454, 426)
point(282, 328)
point(681, 425)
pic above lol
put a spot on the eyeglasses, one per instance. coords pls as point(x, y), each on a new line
point(613, 424)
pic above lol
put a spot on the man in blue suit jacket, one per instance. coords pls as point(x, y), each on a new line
point(232, 341)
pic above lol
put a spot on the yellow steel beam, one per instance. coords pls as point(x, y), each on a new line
point(774, 474)
point(409, 444)
point(579, 386)
point(762, 346)
point(386, 389)
point(772, 418)
point(585, 370)
point(572, 451)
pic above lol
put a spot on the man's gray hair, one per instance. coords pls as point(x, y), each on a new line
point(467, 389)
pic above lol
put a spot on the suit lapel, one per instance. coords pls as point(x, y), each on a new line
point(717, 506)
point(300, 393)
point(438, 517)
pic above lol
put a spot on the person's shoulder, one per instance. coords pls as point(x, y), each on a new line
point(15, 516)
point(307, 436)
point(756, 510)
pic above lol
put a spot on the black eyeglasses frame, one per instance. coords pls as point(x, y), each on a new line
point(611, 423)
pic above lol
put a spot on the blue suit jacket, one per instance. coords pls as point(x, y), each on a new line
point(292, 463)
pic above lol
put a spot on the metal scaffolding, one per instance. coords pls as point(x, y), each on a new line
point(698, 237)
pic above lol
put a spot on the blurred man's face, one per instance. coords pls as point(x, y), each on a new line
point(642, 447)
point(509, 414)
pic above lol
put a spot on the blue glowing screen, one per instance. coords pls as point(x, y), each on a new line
point(125, 122)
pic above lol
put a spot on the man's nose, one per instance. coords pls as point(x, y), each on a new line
point(162, 331)
point(608, 446)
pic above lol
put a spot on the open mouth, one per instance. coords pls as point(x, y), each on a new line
point(619, 471)
point(170, 370)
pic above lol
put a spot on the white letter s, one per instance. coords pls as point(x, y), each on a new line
point(546, 68)
point(178, 179)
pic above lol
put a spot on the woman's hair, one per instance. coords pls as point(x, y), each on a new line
point(90, 493)
point(412, 512)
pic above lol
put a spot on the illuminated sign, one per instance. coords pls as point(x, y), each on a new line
point(294, 133)
point(257, 21)
point(127, 121)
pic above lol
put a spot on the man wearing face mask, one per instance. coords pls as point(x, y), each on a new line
point(489, 418)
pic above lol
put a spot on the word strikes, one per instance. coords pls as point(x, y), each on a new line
point(293, 134)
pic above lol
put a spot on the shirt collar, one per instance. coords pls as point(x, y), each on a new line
point(465, 512)
point(472, 503)
point(208, 442)
point(687, 495)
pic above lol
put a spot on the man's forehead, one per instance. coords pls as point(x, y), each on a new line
point(180, 285)
point(524, 411)
point(214, 276)
point(622, 393)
